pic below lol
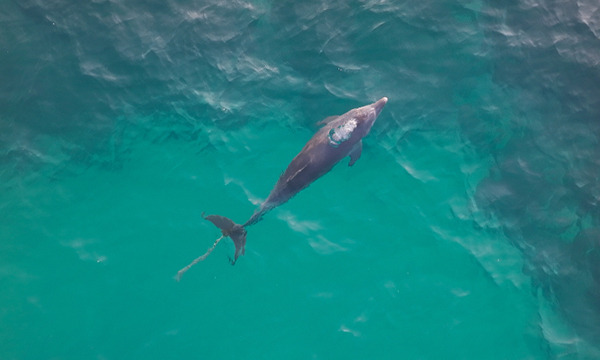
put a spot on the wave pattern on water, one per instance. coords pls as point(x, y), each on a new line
point(544, 186)
point(121, 121)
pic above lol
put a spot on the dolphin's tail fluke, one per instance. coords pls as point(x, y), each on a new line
point(236, 232)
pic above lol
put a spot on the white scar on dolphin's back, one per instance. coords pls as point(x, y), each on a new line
point(342, 133)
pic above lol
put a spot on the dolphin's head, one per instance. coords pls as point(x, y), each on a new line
point(355, 124)
point(365, 116)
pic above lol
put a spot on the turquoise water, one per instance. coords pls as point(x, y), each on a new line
point(468, 229)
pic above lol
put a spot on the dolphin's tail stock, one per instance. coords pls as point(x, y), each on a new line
point(236, 232)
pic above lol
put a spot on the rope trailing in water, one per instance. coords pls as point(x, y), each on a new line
point(197, 260)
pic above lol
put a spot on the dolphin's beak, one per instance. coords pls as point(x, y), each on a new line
point(379, 105)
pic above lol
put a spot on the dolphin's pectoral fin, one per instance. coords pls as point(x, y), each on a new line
point(355, 153)
point(327, 120)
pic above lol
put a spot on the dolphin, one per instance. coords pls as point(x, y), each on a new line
point(340, 136)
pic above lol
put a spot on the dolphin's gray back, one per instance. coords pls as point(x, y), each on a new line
point(316, 159)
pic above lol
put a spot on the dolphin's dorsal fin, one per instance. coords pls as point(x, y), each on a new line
point(327, 120)
point(355, 153)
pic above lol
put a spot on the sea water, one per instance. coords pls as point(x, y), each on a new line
point(468, 229)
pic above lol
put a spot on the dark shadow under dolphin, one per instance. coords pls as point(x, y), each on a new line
point(340, 136)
